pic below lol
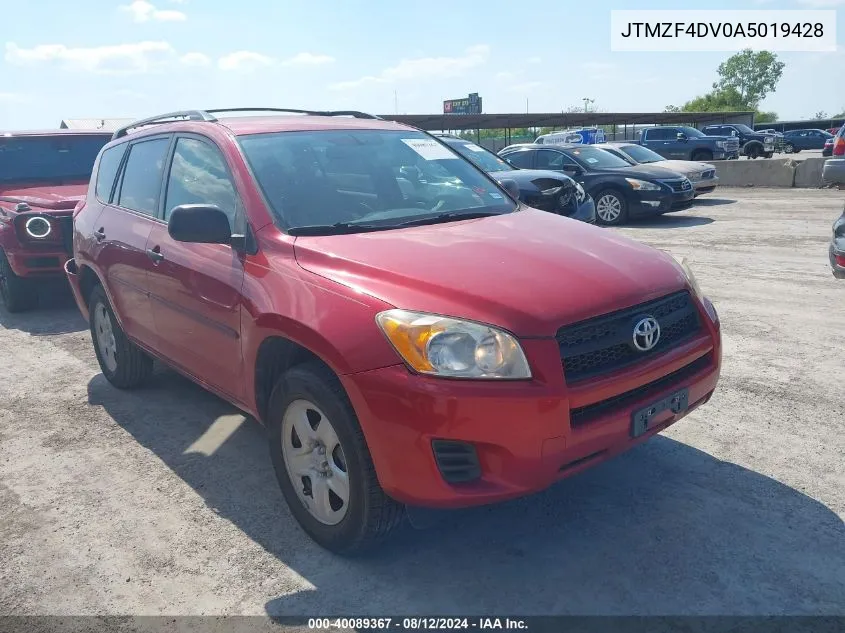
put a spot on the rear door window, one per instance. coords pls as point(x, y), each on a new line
point(107, 172)
point(520, 159)
point(141, 185)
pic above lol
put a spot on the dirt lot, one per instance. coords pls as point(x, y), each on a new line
point(163, 501)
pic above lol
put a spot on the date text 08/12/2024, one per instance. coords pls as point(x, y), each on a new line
point(417, 624)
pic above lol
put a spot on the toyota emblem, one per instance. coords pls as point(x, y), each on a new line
point(646, 334)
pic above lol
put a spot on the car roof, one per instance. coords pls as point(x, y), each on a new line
point(55, 132)
point(548, 146)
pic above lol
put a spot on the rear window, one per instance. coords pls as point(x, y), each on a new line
point(107, 171)
point(60, 158)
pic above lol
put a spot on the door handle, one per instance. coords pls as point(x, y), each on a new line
point(100, 235)
point(155, 254)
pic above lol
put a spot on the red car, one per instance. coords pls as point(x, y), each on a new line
point(43, 175)
point(409, 333)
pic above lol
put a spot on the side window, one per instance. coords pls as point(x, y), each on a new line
point(547, 159)
point(660, 134)
point(520, 159)
point(107, 171)
point(141, 184)
point(198, 175)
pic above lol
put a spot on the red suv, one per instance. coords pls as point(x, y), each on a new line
point(43, 175)
point(413, 342)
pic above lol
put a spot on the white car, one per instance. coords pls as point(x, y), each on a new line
point(702, 175)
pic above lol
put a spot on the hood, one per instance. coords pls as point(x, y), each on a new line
point(644, 171)
point(529, 272)
point(44, 197)
point(686, 167)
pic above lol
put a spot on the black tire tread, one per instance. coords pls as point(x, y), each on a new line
point(383, 514)
point(134, 367)
point(22, 293)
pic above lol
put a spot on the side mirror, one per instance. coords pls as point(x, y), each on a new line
point(511, 187)
point(681, 136)
point(573, 170)
point(200, 224)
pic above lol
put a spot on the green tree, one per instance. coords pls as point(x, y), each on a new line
point(752, 75)
point(765, 117)
point(821, 114)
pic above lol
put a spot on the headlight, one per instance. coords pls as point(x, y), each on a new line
point(38, 227)
point(642, 185)
point(769, 139)
point(720, 144)
point(580, 193)
point(553, 191)
point(443, 346)
point(693, 282)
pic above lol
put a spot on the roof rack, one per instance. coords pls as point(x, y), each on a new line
point(208, 116)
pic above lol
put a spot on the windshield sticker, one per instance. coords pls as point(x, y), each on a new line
point(429, 150)
point(496, 196)
point(592, 160)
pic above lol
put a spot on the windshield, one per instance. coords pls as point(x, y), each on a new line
point(691, 132)
point(595, 158)
point(481, 157)
point(744, 129)
point(641, 154)
point(49, 158)
point(370, 179)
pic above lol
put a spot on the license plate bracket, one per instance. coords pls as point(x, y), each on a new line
point(676, 402)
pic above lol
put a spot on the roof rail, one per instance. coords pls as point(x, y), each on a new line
point(170, 117)
point(208, 116)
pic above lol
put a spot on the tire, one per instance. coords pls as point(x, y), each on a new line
point(122, 362)
point(753, 152)
point(18, 294)
point(701, 155)
point(788, 148)
point(768, 154)
point(608, 200)
point(306, 399)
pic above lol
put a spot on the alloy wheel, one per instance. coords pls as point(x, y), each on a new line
point(105, 337)
point(608, 208)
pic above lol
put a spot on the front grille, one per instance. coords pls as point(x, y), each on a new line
point(66, 224)
point(678, 185)
point(456, 461)
point(42, 262)
point(586, 414)
point(606, 343)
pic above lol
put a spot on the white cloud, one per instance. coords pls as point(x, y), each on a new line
point(505, 75)
point(143, 11)
point(244, 60)
point(308, 59)
point(13, 97)
point(822, 4)
point(118, 59)
point(195, 59)
point(423, 68)
point(534, 60)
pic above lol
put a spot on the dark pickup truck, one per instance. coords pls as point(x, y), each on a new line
point(686, 143)
point(752, 144)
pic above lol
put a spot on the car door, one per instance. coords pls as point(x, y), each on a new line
point(816, 139)
point(195, 289)
point(801, 140)
point(122, 230)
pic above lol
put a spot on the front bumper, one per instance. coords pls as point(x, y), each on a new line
point(586, 211)
point(705, 186)
point(520, 431)
point(833, 172)
point(36, 262)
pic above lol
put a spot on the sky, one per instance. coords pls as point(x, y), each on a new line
point(137, 58)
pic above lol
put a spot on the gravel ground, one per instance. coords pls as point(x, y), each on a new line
point(163, 501)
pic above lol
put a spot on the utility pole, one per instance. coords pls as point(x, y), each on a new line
point(396, 101)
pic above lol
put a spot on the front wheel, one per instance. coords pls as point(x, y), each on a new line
point(753, 153)
point(323, 465)
point(788, 148)
point(611, 207)
point(768, 154)
point(18, 294)
point(122, 362)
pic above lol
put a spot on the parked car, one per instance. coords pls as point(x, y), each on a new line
point(833, 171)
point(622, 191)
point(752, 144)
point(585, 136)
point(42, 177)
point(545, 190)
point(796, 140)
point(439, 349)
point(837, 247)
point(832, 130)
point(687, 143)
point(702, 175)
point(827, 150)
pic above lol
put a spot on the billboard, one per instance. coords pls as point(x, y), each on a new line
point(469, 105)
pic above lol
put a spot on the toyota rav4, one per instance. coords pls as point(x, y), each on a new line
point(406, 343)
point(43, 175)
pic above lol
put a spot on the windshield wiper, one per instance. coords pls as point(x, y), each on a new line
point(447, 216)
point(338, 228)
